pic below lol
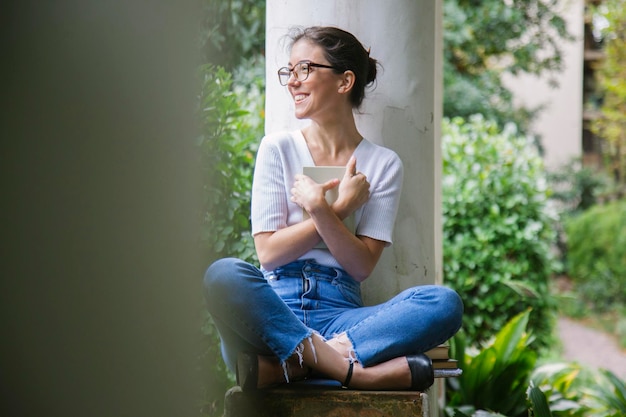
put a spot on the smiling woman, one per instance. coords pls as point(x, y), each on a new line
point(300, 312)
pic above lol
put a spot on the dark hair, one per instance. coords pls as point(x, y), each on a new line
point(343, 51)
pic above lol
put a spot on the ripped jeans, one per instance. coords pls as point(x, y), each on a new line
point(273, 312)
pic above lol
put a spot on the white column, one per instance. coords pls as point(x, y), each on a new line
point(403, 113)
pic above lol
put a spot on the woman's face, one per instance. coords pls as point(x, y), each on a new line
point(318, 96)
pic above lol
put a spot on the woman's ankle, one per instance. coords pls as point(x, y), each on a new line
point(296, 369)
point(272, 372)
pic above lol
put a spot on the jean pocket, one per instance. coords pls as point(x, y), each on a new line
point(289, 289)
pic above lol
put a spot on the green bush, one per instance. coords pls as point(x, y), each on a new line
point(577, 188)
point(227, 147)
point(232, 124)
point(231, 31)
point(497, 228)
point(596, 257)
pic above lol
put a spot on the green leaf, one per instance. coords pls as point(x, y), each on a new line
point(510, 337)
point(539, 404)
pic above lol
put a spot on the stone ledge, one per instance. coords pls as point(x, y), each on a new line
point(318, 402)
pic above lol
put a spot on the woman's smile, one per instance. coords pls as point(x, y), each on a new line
point(298, 98)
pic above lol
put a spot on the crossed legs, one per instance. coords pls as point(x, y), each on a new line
point(325, 359)
point(251, 317)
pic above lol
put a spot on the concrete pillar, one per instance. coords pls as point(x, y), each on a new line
point(403, 113)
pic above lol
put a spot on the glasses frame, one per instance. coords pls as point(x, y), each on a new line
point(291, 71)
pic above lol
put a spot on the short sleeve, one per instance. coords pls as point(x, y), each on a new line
point(269, 210)
point(379, 213)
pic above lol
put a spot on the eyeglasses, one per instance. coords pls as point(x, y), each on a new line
point(300, 71)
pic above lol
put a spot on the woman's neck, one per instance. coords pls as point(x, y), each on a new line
point(332, 144)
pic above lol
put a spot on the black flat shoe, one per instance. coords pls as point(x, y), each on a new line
point(247, 370)
point(422, 375)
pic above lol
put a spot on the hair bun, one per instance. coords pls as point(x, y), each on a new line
point(372, 70)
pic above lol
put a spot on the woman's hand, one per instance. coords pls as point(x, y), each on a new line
point(354, 191)
point(310, 195)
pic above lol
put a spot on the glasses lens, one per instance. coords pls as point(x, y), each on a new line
point(283, 75)
point(302, 71)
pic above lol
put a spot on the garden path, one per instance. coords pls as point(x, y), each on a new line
point(591, 347)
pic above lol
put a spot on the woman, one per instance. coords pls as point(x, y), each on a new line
point(301, 312)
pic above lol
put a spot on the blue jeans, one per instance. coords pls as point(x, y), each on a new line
point(273, 312)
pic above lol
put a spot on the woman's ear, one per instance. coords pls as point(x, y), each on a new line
point(347, 82)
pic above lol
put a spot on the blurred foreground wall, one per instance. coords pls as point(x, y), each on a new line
point(100, 278)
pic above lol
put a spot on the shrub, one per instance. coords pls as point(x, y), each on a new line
point(227, 148)
point(497, 228)
point(231, 31)
point(232, 125)
point(577, 188)
point(611, 124)
point(596, 259)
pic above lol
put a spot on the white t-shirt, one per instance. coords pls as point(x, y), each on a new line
point(281, 157)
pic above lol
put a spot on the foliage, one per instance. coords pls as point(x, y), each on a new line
point(538, 404)
point(497, 227)
point(483, 40)
point(227, 145)
point(575, 391)
point(232, 31)
point(232, 124)
point(232, 36)
point(249, 87)
point(597, 254)
point(501, 380)
point(608, 396)
point(611, 126)
point(577, 188)
point(563, 385)
point(574, 189)
point(497, 377)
